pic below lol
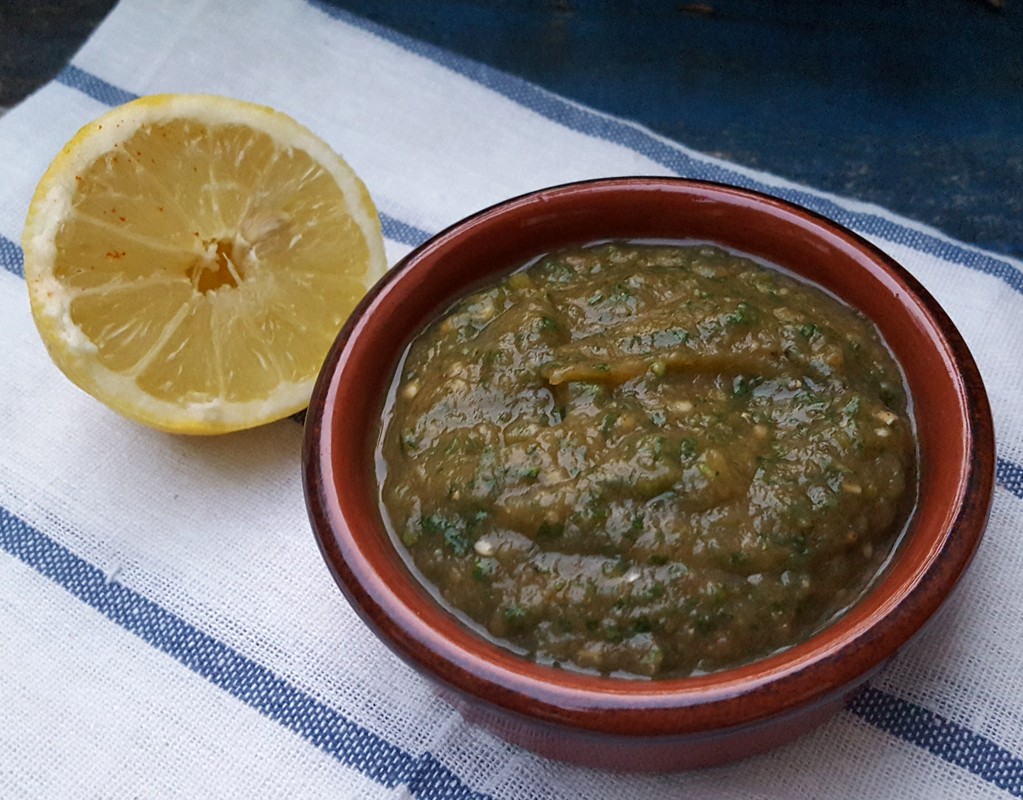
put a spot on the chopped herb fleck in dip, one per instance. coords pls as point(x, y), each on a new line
point(648, 459)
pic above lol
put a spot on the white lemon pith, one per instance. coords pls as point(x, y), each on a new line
point(190, 259)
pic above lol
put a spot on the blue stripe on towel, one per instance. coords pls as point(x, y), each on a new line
point(1010, 476)
point(948, 740)
point(228, 669)
point(398, 231)
point(96, 88)
point(11, 257)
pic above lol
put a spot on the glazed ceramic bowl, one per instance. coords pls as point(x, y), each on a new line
point(670, 723)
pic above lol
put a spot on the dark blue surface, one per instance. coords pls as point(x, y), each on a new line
point(917, 106)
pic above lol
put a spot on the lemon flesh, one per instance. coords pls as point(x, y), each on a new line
point(191, 258)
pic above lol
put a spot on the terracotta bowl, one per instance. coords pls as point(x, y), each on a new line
point(671, 723)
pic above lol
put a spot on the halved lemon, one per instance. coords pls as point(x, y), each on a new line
point(190, 259)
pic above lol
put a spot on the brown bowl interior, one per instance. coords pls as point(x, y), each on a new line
point(954, 429)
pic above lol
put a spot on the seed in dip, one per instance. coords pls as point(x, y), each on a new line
point(648, 459)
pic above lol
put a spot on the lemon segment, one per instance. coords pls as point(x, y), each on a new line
point(190, 259)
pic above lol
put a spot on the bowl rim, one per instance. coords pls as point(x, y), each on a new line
point(433, 641)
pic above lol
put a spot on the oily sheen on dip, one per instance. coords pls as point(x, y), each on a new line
point(648, 459)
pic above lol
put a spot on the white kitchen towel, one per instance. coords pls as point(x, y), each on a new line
point(167, 626)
